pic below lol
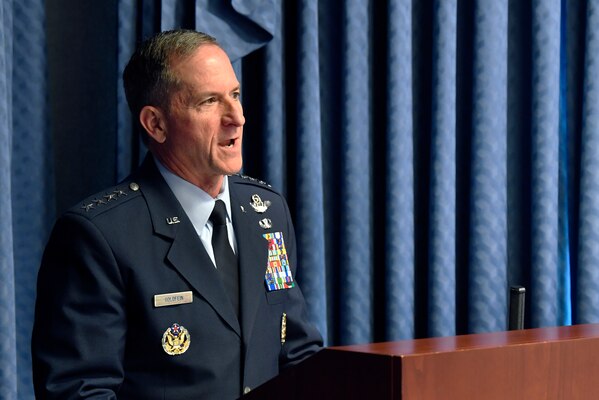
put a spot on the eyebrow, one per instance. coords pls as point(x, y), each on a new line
point(210, 93)
point(192, 97)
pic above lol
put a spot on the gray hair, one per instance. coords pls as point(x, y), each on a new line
point(147, 78)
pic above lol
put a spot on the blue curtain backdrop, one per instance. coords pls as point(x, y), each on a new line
point(433, 152)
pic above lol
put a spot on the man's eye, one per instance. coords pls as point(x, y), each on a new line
point(236, 95)
point(210, 100)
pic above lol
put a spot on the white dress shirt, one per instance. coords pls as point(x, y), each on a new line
point(198, 206)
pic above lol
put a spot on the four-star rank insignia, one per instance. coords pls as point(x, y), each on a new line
point(176, 340)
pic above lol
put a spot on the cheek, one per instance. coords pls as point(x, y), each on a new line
point(191, 133)
point(194, 133)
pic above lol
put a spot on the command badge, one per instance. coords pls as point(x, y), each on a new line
point(176, 340)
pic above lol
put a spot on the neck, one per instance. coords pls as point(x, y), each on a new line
point(210, 184)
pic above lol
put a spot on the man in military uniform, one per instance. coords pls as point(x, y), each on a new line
point(138, 296)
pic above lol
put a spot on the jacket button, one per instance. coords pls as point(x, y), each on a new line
point(246, 390)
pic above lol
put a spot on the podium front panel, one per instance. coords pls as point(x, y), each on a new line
point(546, 363)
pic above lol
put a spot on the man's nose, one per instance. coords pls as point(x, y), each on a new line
point(233, 114)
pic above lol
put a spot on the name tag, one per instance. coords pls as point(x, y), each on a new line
point(172, 299)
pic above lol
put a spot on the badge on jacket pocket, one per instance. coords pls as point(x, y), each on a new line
point(278, 271)
point(176, 340)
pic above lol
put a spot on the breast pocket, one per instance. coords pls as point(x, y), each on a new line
point(277, 296)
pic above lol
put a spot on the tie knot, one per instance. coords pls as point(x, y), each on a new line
point(219, 213)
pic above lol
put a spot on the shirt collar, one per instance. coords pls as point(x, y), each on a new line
point(196, 203)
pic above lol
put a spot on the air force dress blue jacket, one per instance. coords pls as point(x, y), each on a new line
point(130, 305)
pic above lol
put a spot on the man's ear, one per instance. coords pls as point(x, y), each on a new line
point(152, 119)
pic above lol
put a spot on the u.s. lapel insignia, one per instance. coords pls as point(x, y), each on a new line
point(176, 340)
point(173, 220)
point(265, 223)
point(258, 205)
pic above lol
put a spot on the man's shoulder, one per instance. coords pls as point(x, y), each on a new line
point(106, 200)
point(253, 183)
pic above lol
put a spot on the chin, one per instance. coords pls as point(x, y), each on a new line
point(232, 168)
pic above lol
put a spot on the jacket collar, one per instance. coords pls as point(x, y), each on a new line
point(186, 254)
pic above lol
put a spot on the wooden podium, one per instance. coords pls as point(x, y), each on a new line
point(546, 363)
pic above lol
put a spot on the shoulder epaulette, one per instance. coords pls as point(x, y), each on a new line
point(253, 180)
point(104, 200)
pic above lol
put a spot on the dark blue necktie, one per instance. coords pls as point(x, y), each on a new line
point(226, 260)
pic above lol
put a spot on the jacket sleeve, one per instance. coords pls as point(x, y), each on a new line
point(79, 328)
point(302, 337)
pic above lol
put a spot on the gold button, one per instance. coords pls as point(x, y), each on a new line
point(134, 186)
point(246, 390)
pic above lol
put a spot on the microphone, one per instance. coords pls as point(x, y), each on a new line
point(516, 318)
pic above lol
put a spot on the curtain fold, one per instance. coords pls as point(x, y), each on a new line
point(488, 183)
point(309, 184)
point(545, 161)
point(127, 38)
point(442, 253)
point(354, 279)
point(32, 191)
point(587, 295)
point(273, 114)
point(8, 349)
point(564, 264)
point(398, 271)
point(240, 26)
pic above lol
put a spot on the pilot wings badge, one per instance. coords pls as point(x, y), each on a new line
point(176, 340)
point(258, 205)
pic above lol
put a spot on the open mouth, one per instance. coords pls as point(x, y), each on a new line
point(228, 143)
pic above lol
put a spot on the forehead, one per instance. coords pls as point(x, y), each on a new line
point(208, 67)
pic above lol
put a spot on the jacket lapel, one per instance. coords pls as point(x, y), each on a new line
point(253, 256)
point(187, 253)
